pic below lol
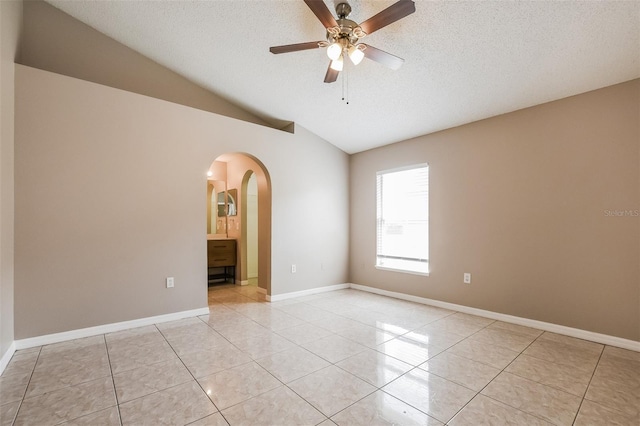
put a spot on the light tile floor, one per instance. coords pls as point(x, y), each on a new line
point(345, 357)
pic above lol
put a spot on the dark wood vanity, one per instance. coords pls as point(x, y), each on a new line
point(221, 260)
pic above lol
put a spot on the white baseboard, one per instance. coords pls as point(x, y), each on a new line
point(243, 282)
point(109, 328)
point(285, 296)
point(605, 339)
point(106, 328)
point(261, 290)
point(4, 361)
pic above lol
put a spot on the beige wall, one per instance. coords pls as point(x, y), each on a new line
point(519, 201)
point(57, 42)
point(10, 25)
point(111, 199)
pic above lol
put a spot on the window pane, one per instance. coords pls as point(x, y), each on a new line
point(403, 219)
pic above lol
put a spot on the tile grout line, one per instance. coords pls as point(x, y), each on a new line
point(376, 387)
point(330, 364)
point(113, 381)
point(503, 371)
point(283, 383)
point(170, 387)
point(584, 395)
point(473, 390)
point(267, 371)
point(190, 373)
point(24, 395)
point(582, 398)
point(66, 386)
point(418, 367)
point(407, 372)
point(483, 328)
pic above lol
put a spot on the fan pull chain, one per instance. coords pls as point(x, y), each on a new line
point(347, 77)
point(342, 81)
point(345, 82)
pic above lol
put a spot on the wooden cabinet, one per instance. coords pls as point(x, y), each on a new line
point(221, 259)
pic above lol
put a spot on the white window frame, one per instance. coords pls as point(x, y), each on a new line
point(386, 261)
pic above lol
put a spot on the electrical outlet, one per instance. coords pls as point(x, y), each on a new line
point(467, 278)
point(293, 269)
point(169, 282)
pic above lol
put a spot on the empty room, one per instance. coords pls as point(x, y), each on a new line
point(314, 212)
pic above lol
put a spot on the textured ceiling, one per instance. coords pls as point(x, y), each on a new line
point(464, 61)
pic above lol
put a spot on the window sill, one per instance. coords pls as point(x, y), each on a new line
point(405, 271)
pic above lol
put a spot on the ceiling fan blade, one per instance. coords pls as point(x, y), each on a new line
point(388, 16)
point(294, 47)
point(392, 61)
point(322, 12)
point(331, 76)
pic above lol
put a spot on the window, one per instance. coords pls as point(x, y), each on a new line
point(403, 219)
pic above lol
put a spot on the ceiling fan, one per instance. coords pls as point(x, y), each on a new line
point(343, 36)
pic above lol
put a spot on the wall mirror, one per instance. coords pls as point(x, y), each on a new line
point(216, 217)
point(226, 203)
point(221, 204)
point(232, 197)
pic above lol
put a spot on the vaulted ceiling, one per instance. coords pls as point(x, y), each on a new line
point(464, 60)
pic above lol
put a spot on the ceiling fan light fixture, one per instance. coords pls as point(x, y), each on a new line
point(356, 55)
point(337, 64)
point(343, 35)
point(334, 51)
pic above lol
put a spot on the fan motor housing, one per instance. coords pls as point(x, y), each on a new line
point(343, 10)
point(347, 29)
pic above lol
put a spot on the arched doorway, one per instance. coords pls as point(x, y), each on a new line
point(229, 217)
